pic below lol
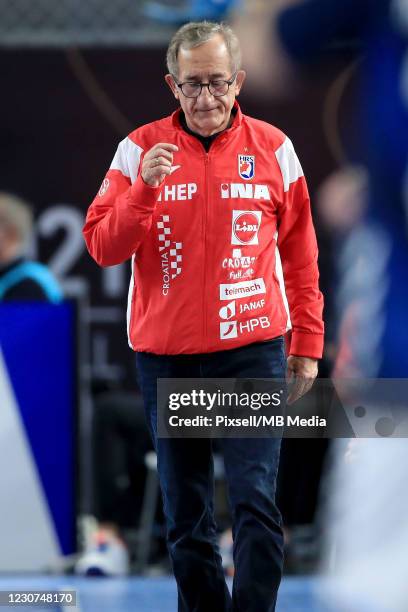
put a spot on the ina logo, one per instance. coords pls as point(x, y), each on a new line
point(246, 166)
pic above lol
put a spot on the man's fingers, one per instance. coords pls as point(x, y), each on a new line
point(167, 146)
point(160, 170)
point(155, 153)
point(295, 389)
point(300, 375)
point(164, 149)
point(290, 374)
point(309, 384)
point(300, 387)
point(159, 161)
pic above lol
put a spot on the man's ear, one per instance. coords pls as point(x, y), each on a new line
point(239, 81)
point(170, 82)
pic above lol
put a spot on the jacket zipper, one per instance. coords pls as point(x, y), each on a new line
point(204, 310)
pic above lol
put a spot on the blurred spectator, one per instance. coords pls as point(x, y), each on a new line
point(374, 257)
point(342, 200)
point(21, 279)
point(269, 70)
point(341, 203)
point(190, 10)
point(120, 443)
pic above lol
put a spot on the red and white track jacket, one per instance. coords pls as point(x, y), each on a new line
point(208, 246)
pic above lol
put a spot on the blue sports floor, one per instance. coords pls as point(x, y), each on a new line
point(143, 594)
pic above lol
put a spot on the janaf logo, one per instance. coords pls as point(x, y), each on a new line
point(246, 166)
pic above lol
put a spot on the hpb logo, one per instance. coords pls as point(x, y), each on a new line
point(245, 226)
point(246, 166)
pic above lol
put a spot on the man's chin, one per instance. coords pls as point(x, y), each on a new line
point(208, 127)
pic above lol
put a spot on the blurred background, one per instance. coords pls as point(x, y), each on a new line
point(78, 473)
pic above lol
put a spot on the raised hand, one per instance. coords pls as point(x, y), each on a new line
point(157, 163)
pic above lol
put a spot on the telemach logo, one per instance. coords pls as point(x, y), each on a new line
point(242, 289)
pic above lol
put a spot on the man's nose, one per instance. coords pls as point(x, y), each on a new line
point(205, 98)
point(205, 91)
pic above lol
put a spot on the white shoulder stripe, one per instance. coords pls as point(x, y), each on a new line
point(127, 159)
point(288, 163)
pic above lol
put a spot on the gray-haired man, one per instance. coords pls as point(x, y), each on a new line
point(185, 196)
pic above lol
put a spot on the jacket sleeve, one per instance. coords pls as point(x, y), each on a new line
point(121, 214)
point(298, 251)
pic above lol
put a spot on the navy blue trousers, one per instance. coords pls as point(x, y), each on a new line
point(185, 470)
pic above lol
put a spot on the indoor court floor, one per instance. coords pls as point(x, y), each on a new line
point(135, 594)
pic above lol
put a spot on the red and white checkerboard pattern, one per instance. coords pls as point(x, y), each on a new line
point(165, 242)
point(175, 259)
point(164, 232)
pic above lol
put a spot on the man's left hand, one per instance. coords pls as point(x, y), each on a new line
point(301, 373)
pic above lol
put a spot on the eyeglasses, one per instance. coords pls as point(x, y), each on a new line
point(216, 87)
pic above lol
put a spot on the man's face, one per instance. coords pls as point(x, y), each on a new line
point(206, 114)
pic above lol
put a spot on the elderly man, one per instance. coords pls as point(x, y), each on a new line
point(200, 201)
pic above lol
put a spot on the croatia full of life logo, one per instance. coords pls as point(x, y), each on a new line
point(246, 166)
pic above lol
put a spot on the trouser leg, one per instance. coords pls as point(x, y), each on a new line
point(251, 468)
point(185, 471)
point(186, 476)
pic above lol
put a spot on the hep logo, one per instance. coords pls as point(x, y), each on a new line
point(245, 226)
point(246, 166)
